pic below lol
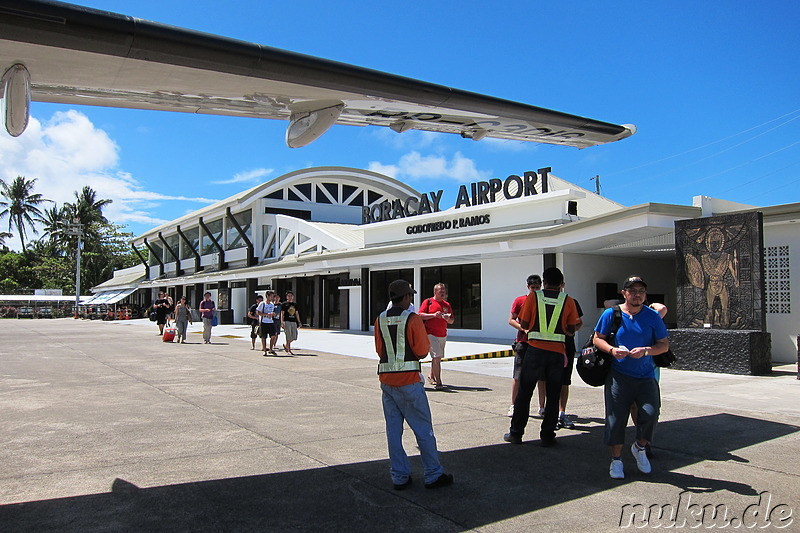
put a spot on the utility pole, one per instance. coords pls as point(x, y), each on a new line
point(76, 228)
point(596, 181)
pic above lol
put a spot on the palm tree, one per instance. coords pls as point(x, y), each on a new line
point(87, 208)
point(54, 221)
point(20, 204)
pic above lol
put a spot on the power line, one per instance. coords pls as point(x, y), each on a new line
point(715, 142)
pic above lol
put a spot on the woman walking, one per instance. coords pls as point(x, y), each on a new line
point(183, 317)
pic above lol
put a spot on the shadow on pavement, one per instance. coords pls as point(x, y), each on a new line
point(492, 483)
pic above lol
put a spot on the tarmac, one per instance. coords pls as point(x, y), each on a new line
point(107, 428)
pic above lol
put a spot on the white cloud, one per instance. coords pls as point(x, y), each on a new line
point(67, 152)
point(415, 166)
point(257, 174)
point(387, 170)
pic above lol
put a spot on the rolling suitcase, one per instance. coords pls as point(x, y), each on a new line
point(169, 333)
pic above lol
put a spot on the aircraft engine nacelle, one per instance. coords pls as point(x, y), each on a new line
point(16, 83)
point(307, 126)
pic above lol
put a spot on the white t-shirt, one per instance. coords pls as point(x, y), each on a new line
point(264, 307)
point(410, 307)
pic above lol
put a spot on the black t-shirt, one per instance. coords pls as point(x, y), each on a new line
point(290, 311)
point(162, 307)
point(253, 312)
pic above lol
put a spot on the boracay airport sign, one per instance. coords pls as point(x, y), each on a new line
point(476, 193)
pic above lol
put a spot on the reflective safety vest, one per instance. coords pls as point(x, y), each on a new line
point(395, 357)
point(547, 328)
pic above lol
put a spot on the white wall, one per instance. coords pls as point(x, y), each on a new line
point(583, 271)
point(354, 296)
point(239, 304)
point(502, 280)
point(784, 328)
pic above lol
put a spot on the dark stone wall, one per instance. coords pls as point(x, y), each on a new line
point(721, 350)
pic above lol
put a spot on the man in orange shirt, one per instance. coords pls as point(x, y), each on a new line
point(401, 341)
point(547, 317)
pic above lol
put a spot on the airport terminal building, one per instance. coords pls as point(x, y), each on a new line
point(337, 236)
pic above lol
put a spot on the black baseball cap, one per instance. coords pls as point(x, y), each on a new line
point(399, 288)
point(631, 280)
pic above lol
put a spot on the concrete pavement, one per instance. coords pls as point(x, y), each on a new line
point(106, 428)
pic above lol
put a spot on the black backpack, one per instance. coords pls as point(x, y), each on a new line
point(593, 364)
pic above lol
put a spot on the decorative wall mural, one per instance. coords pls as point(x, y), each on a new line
point(720, 270)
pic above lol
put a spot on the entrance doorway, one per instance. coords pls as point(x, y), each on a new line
point(332, 304)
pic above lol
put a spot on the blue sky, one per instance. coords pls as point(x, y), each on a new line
point(711, 86)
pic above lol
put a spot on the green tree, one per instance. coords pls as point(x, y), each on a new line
point(88, 210)
point(54, 222)
point(49, 262)
point(16, 272)
point(20, 204)
point(55, 272)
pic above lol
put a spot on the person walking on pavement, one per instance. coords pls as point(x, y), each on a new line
point(207, 309)
point(266, 312)
point(254, 321)
point(183, 317)
point(401, 341)
point(290, 317)
point(162, 309)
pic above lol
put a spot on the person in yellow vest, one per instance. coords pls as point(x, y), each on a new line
point(547, 317)
point(401, 341)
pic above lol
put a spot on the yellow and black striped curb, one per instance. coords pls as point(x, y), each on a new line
point(487, 355)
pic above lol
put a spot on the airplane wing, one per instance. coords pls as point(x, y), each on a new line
point(62, 53)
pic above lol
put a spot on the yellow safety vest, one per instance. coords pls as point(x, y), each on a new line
point(396, 354)
point(547, 328)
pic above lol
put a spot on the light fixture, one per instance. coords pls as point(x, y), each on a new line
point(475, 135)
point(16, 99)
point(307, 126)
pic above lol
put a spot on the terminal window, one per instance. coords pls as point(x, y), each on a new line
point(463, 284)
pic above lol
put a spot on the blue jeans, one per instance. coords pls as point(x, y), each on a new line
point(620, 392)
point(409, 404)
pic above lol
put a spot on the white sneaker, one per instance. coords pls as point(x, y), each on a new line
point(641, 458)
point(616, 471)
point(540, 413)
point(510, 412)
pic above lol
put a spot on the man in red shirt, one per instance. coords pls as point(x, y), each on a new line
point(437, 314)
point(534, 283)
point(547, 316)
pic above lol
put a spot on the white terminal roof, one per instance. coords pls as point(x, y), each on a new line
point(335, 238)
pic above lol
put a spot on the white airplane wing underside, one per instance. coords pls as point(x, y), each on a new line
point(77, 55)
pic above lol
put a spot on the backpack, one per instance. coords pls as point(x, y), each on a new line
point(594, 364)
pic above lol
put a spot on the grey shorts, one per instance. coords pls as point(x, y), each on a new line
point(290, 330)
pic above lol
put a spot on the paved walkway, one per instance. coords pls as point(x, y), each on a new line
point(106, 428)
